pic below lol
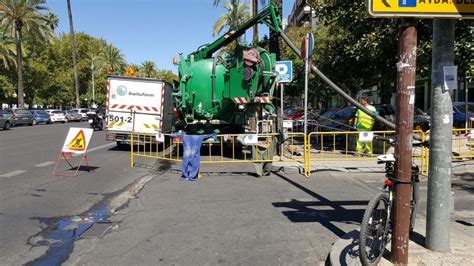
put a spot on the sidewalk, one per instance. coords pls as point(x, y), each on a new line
point(345, 250)
point(231, 217)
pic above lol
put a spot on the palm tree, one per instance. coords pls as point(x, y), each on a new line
point(111, 60)
point(17, 15)
point(52, 21)
point(74, 63)
point(147, 69)
point(254, 5)
point(236, 14)
point(7, 51)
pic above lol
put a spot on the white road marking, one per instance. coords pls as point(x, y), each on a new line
point(14, 173)
point(45, 164)
point(19, 172)
point(96, 148)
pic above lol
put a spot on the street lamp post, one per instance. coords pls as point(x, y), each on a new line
point(93, 84)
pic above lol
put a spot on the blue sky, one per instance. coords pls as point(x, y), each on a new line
point(143, 30)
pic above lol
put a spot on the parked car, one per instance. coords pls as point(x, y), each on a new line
point(20, 116)
point(459, 113)
point(294, 113)
point(57, 116)
point(421, 120)
point(298, 125)
point(72, 115)
point(5, 120)
point(343, 119)
point(40, 116)
point(82, 111)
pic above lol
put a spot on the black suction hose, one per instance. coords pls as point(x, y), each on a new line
point(336, 88)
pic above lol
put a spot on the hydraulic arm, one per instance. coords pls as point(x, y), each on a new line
point(266, 16)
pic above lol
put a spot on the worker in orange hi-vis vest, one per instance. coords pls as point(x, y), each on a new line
point(364, 122)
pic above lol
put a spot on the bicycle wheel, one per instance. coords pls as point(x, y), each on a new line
point(375, 229)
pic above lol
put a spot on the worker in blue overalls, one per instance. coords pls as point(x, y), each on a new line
point(192, 154)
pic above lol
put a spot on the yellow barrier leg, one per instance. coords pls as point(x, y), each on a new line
point(132, 159)
point(306, 151)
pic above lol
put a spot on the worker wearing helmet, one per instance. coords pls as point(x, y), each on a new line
point(364, 122)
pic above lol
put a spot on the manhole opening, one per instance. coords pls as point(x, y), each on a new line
point(97, 230)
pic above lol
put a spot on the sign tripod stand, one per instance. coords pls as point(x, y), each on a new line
point(76, 143)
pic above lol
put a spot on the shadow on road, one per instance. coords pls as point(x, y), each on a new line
point(303, 213)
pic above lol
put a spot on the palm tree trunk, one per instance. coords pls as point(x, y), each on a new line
point(73, 43)
point(255, 27)
point(19, 67)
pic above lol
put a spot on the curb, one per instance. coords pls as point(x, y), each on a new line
point(345, 251)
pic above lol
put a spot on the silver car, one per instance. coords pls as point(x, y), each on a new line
point(72, 115)
point(20, 116)
point(5, 120)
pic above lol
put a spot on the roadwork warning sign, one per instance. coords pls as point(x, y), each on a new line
point(77, 140)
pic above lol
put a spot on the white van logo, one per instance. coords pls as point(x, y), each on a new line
point(121, 90)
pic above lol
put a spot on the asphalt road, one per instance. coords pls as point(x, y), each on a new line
point(227, 217)
point(30, 197)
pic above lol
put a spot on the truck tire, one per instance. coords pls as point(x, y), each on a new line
point(122, 146)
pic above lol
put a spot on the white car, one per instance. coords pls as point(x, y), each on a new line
point(82, 111)
point(57, 116)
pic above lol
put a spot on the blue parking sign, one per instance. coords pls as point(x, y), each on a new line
point(285, 71)
point(407, 3)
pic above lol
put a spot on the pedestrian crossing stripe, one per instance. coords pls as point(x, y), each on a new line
point(78, 143)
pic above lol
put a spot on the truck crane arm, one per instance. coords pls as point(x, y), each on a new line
point(267, 15)
point(271, 18)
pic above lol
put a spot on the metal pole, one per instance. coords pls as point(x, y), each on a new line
point(441, 138)
point(93, 85)
point(406, 67)
point(306, 61)
point(465, 104)
point(282, 146)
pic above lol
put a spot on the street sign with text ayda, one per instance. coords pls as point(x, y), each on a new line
point(422, 8)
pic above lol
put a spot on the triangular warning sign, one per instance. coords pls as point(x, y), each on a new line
point(78, 143)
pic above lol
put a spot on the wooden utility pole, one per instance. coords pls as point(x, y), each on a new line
point(74, 63)
point(406, 67)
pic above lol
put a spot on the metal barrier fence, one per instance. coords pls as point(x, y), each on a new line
point(305, 150)
point(463, 145)
point(341, 146)
point(227, 148)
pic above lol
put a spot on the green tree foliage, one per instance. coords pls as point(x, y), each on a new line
point(111, 60)
point(18, 16)
point(147, 69)
point(167, 75)
point(49, 76)
point(236, 14)
point(6, 89)
point(7, 51)
point(357, 51)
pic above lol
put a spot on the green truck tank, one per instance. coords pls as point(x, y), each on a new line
point(224, 90)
